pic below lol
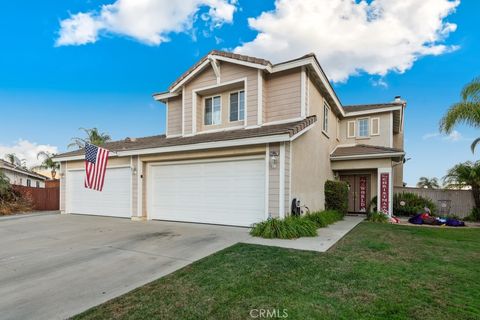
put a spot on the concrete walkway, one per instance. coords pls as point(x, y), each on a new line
point(326, 238)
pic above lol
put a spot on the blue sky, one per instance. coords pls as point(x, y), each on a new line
point(50, 89)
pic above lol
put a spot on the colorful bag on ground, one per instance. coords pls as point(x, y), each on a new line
point(455, 223)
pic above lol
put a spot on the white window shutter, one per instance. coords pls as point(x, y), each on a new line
point(351, 129)
point(375, 126)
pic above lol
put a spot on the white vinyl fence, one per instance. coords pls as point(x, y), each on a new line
point(457, 202)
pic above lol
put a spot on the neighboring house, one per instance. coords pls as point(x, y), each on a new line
point(21, 176)
point(244, 138)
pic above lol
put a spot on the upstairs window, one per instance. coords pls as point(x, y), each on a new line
point(37, 184)
point(325, 117)
point(213, 110)
point(363, 130)
point(29, 183)
point(237, 105)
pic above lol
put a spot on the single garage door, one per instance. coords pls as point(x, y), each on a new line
point(113, 200)
point(230, 192)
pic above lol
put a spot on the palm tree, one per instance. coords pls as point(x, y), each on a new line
point(47, 163)
point(93, 137)
point(466, 174)
point(428, 183)
point(466, 111)
point(13, 159)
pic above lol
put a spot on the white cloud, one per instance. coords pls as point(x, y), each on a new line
point(27, 150)
point(427, 136)
point(350, 37)
point(148, 21)
point(454, 136)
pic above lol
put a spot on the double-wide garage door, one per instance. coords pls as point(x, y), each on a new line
point(114, 200)
point(230, 192)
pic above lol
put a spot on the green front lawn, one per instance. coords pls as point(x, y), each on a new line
point(377, 271)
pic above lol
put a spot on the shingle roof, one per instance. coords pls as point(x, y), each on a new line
point(363, 149)
point(231, 55)
point(363, 107)
point(7, 165)
point(162, 141)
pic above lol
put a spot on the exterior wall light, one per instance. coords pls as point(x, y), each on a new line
point(273, 159)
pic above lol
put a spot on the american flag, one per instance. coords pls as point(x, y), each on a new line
point(96, 159)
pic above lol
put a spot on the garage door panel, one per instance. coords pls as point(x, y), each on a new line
point(114, 200)
point(222, 192)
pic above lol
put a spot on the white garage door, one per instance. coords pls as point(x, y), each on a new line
point(221, 192)
point(113, 200)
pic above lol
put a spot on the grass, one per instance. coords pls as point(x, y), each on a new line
point(378, 271)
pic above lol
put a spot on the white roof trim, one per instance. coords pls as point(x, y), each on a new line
point(196, 146)
point(371, 111)
point(164, 96)
point(191, 74)
point(369, 156)
point(244, 63)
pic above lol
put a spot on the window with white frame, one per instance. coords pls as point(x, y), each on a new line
point(237, 105)
point(363, 130)
point(29, 183)
point(37, 184)
point(325, 117)
point(213, 110)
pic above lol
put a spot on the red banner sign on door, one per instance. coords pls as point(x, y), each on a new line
point(363, 194)
point(384, 192)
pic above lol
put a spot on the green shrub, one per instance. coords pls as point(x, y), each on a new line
point(474, 215)
point(413, 204)
point(336, 196)
point(324, 218)
point(377, 217)
point(288, 228)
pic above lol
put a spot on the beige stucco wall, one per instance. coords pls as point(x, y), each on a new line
point(361, 164)
point(174, 119)
point(311, 156)
point(112, 161)
point(398, 142)
point(283, 95)
point(384, 139)
point(274, 184)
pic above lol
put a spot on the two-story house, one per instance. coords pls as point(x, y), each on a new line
point(244, 138)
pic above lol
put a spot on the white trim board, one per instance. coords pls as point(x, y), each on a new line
point(365, 112)
point(369, 156)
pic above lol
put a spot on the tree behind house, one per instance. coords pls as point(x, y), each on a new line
point(428, 183)
point(464, 175)
point(94, 137)
point(467, 111)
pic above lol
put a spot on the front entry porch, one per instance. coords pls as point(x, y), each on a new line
point(359, 191)
point(367, 179)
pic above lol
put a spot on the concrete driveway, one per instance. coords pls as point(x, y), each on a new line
point(55, 266)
